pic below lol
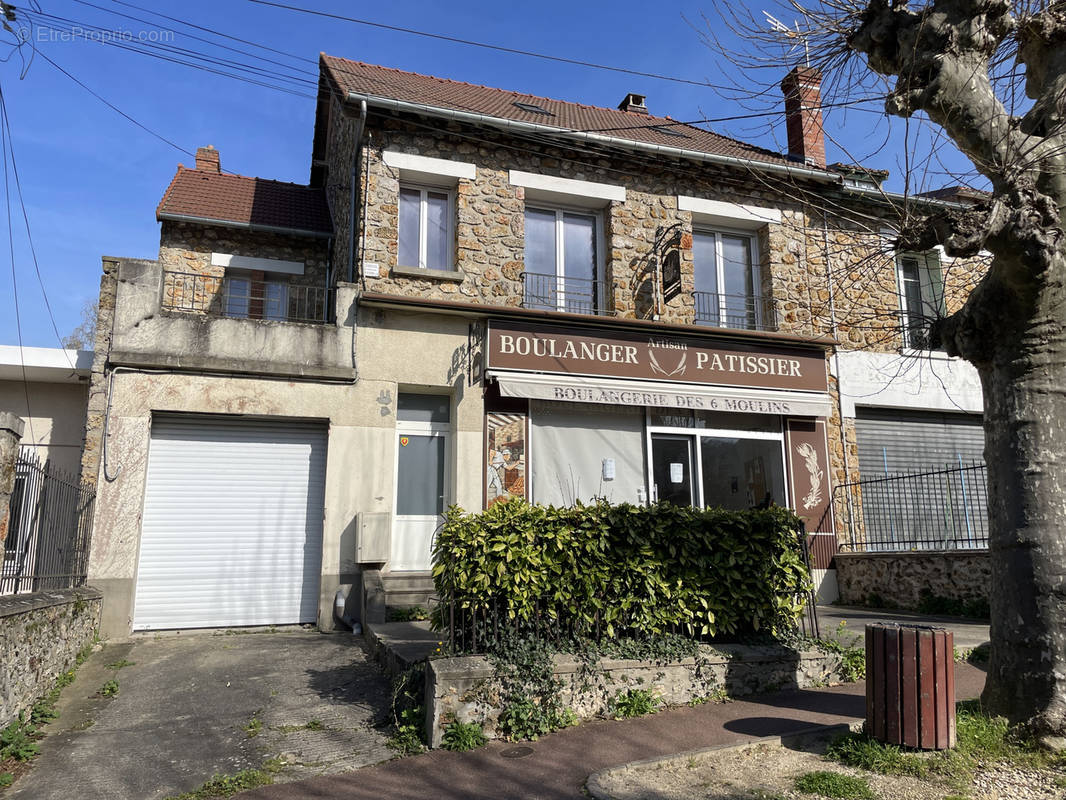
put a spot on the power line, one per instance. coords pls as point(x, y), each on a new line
point(26, 219)
point(485, 45)
point(15, 285)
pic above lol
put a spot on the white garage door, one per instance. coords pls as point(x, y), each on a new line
point(232, 526)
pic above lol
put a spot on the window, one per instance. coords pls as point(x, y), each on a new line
point(921, 297)
point(425, 228)
point(727, 281)
point(562, 261)
point(246, 298)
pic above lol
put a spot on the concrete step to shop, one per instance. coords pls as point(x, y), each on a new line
point(408, 589)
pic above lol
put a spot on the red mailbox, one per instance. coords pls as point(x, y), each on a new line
point(910, 686)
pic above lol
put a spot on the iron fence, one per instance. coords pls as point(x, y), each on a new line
point(750, 312)
point(573, 295)
point(944, 509)
point(472, 624)
point(50, 525)
point(244, 298)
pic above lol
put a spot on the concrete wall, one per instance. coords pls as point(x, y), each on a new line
point(464, 688)
point(427, 351)
point(55, 419)
point(40, 636)
point(900, 579)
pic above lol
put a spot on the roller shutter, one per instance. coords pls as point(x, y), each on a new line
point(911, 441)
point(232, 524)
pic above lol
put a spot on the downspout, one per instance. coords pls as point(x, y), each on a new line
point(354, 188)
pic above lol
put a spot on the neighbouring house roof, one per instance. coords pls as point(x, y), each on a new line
point(44, 364)
point(355, 77)
point(959, 194)
point(240, 201)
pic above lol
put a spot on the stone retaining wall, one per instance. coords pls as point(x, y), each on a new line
point(40, 636)
point(900, 579)
point(463, 688)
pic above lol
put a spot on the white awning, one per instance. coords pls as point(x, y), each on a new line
point(609, 391)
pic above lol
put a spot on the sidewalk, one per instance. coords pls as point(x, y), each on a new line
point(557, 766)
point(969, 633)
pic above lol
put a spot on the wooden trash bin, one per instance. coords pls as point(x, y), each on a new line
point(910, 686)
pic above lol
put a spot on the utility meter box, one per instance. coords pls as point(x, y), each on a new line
point(373, 544)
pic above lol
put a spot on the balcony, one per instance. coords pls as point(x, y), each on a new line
point(737, 311)
point(548, 292)
point(245, 298)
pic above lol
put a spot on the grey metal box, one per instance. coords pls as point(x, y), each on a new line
point(373, 537)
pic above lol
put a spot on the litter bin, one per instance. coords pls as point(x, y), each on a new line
point(910, 686)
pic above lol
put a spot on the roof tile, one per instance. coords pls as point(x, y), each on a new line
point(244, 200)
point(377, 81)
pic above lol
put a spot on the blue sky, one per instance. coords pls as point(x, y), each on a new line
point(91, 179)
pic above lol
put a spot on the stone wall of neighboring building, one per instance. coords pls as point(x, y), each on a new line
point(40, 637)
point(899, 579)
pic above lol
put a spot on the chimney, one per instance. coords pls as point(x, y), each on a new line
point(207, 159)
point(633, 102)
point(803, 115)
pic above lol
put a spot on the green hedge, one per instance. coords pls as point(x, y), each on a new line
point(613, 569)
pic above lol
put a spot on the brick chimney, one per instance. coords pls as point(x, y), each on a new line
point(803, 115)
point(634, 102)
point(207, 159)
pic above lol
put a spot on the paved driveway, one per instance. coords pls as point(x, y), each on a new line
point(192, 705)
point(969, 633)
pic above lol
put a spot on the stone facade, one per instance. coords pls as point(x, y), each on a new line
point(464, 689)
point(40, 636)
point(900, 579)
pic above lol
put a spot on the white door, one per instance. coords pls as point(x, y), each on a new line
point(422, 457)
point(232, 525)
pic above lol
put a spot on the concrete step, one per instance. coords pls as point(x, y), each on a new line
point(407, 581)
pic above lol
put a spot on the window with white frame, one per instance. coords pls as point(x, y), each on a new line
point(425, 228)
point(921, 296)
point(246, 298)
point(563, 269)
point(727, 280)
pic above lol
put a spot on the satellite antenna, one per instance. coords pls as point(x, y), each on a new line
point(789, 33)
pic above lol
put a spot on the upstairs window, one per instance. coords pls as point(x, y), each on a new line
point(727, 281)
point(921, 297)
point(425, 228)
point(562, 261)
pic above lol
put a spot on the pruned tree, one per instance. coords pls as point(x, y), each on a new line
point(991, 76)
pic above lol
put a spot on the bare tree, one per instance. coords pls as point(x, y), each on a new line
point(990, 75)
point(83, 337)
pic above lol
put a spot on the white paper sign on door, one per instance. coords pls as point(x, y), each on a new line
point(677, 472)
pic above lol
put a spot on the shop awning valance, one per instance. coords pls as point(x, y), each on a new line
point(582, 389)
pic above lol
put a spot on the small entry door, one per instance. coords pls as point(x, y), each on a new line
point(671, 460)
point(421, 479)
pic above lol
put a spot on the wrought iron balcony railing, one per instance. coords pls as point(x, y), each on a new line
point(573, 295)
point(743, 312)
point(244, 298)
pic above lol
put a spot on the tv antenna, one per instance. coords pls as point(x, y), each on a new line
point(789, 33)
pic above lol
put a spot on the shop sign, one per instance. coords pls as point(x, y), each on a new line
point(653, 356)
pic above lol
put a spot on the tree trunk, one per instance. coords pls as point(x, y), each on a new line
point(1024, 384)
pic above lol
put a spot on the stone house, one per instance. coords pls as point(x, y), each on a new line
point(481, 294)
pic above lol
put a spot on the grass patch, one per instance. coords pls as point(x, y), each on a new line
point(6, 779)
point(120, 664)
point(313, 725)
point(982, 740)
point(229, 785)
point(109, 689)
point(834, 784)
point(633, 703)
point(463, 736)
point(253, 728)
point(411, 614)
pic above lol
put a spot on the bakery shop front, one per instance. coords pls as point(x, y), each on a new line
point(578, 413)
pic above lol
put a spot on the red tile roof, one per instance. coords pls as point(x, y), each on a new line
point(242, 200)
point(369, 79)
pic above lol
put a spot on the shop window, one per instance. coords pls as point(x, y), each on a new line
point(727, 281)
point(921, 297)
point(425, 228)
point(563, 270)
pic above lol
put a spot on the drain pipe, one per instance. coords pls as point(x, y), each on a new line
point(354, 188)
